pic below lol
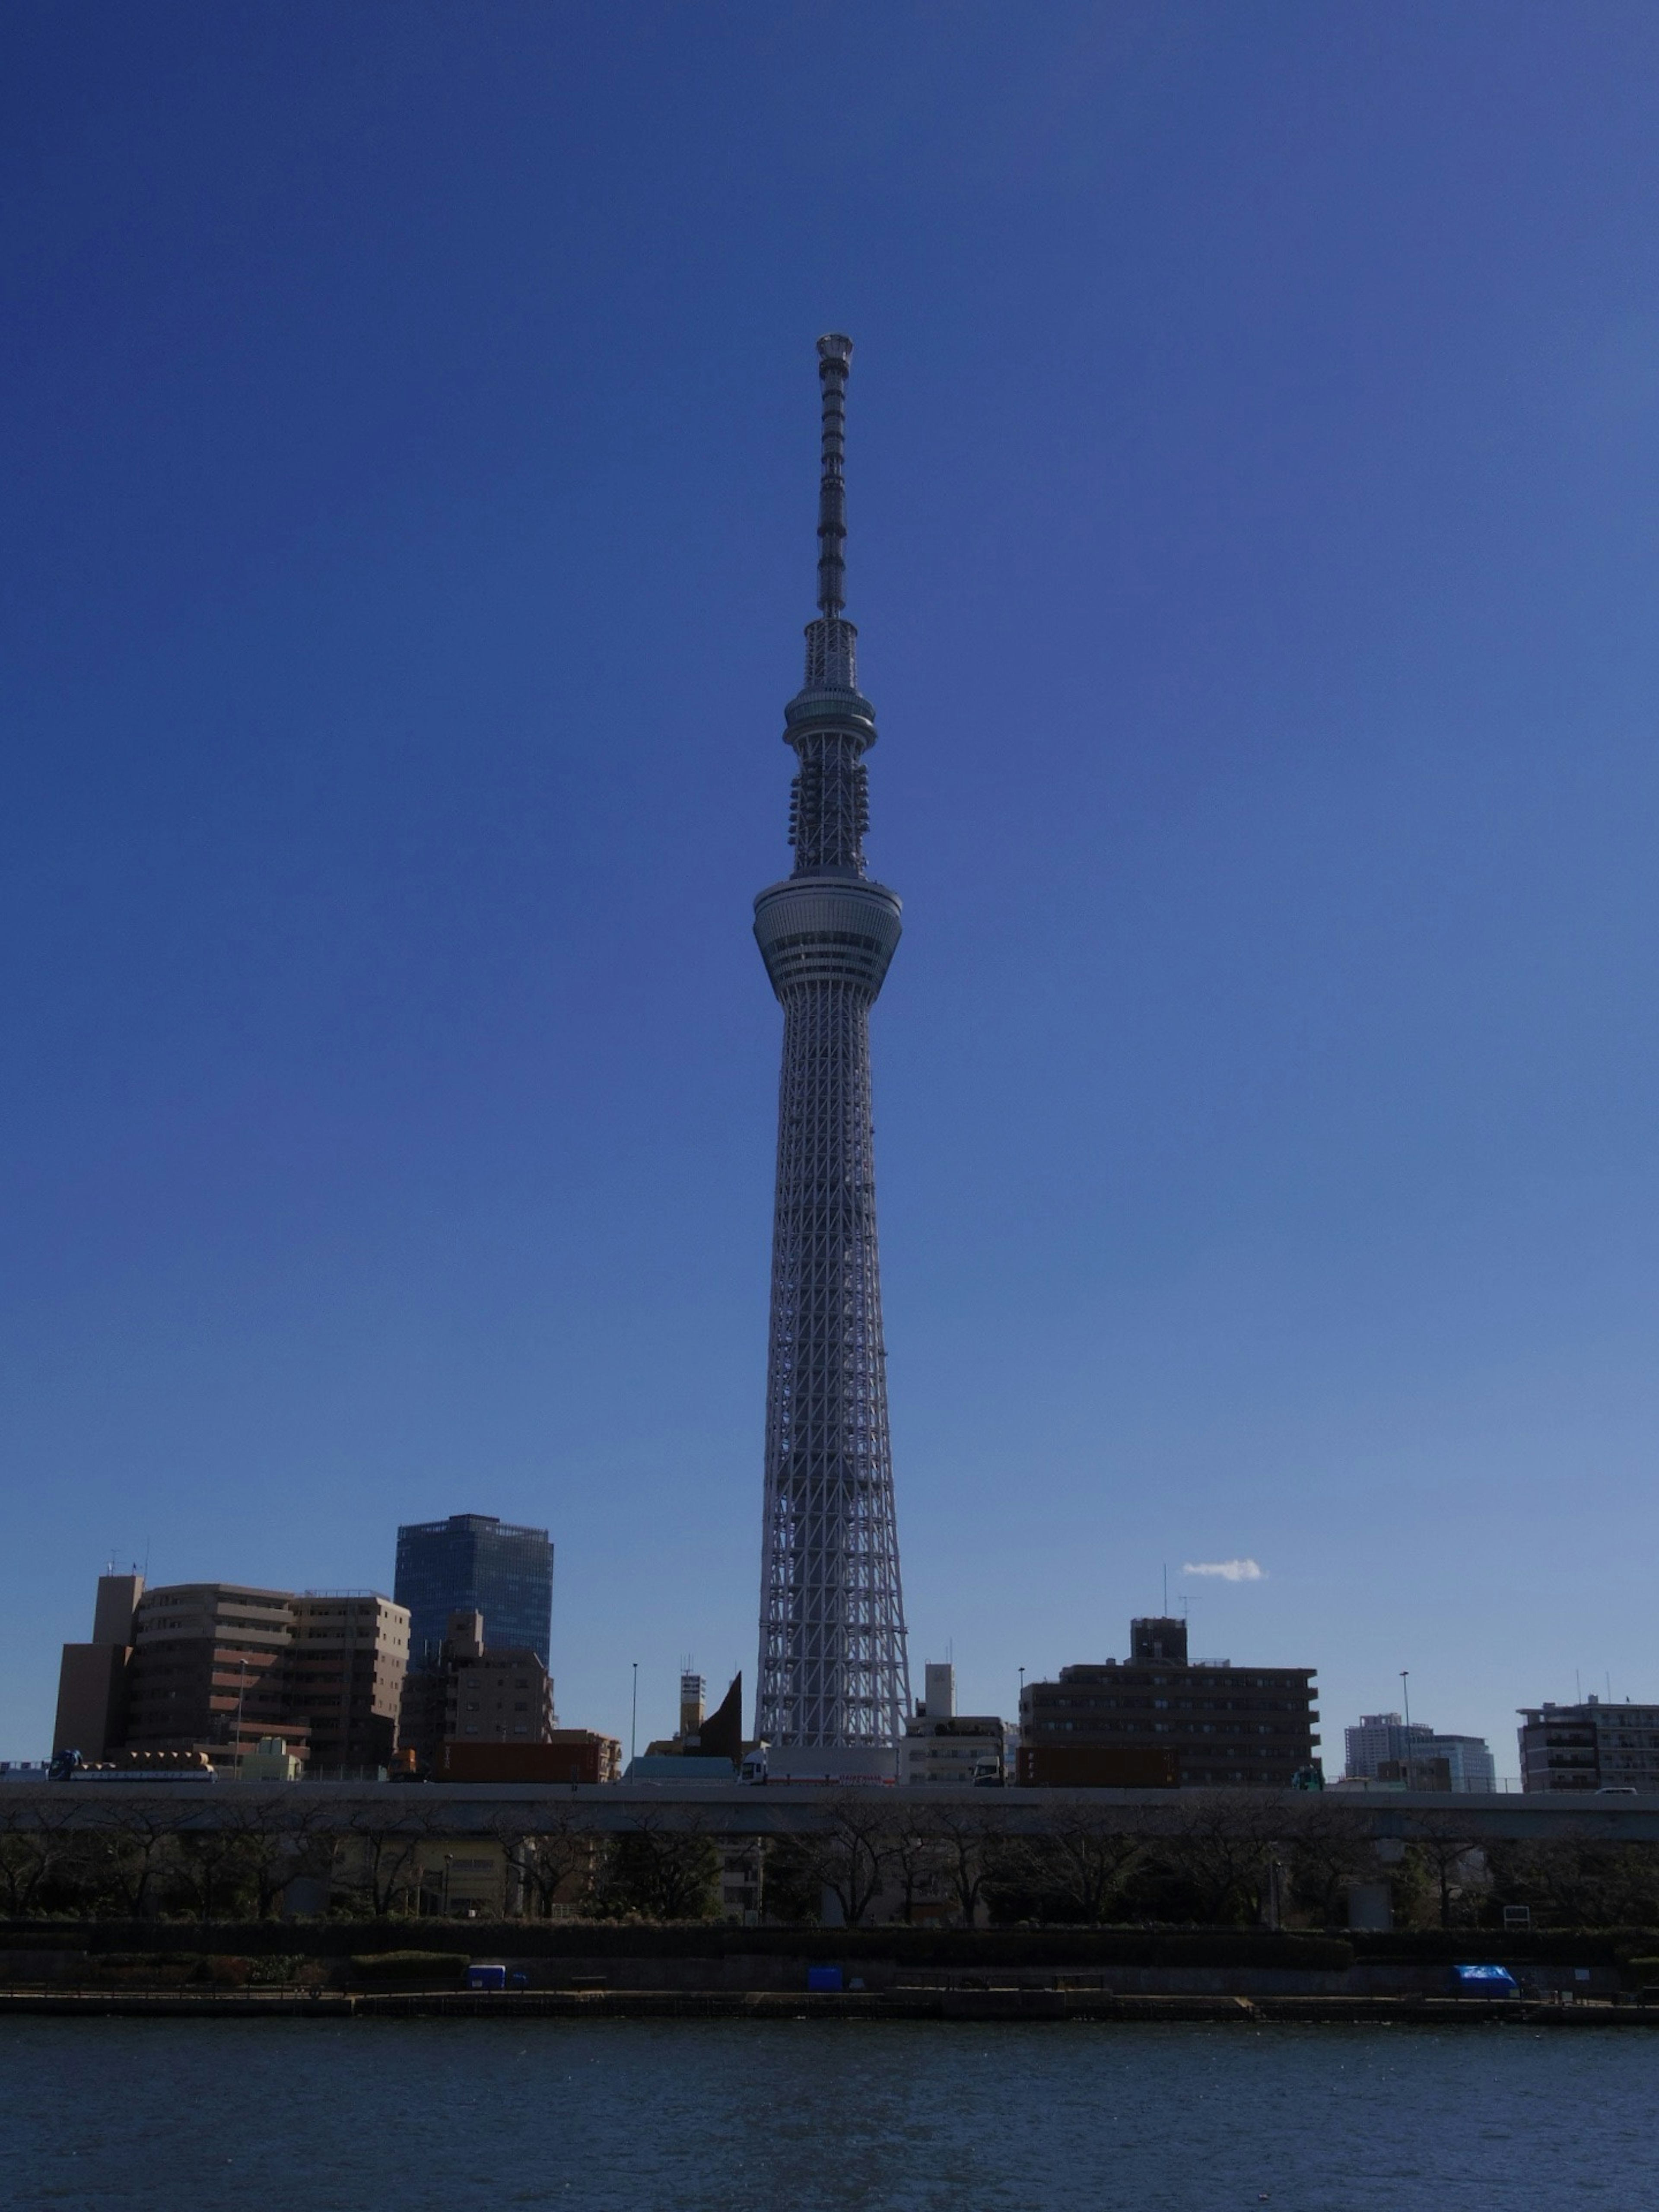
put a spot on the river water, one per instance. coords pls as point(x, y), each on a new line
point(644, 2116)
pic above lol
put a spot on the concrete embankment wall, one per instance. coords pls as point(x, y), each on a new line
point(553, 1957)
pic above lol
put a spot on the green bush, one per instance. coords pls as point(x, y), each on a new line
point(277, 1968)
point(170, 1966)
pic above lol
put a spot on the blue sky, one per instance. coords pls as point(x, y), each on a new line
point(410, 451)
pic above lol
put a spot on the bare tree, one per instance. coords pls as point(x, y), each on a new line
point(386, 1851)
point(549, 1849)
point(131, 1834)
point(967, 1839)
point(212, 1860)
point(917, 1861)
point(1577, 1879)
point(849, 1855)
point(292, 1844)
point(665, 1866)
point(1222, 1843)
point(1449, 1844)
point(1330, 1850)
point(856, 1851)
point(37, 1839)
point(1084, 1854)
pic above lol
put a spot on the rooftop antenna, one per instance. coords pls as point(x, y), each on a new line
point(1166, 1590)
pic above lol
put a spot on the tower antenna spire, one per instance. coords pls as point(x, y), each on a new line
point(834, 364)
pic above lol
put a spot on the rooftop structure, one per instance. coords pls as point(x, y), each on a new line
point(833, 1672)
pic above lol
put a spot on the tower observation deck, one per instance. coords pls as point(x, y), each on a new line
point(833, 1667)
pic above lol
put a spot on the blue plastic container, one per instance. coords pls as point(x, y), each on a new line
point(824, 1977)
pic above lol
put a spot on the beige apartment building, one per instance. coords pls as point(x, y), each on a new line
point(220, 1668)
point(347, 1661)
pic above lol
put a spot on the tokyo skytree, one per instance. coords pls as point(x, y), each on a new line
point(833, 1665)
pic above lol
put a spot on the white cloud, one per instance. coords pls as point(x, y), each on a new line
point(1231, 1570)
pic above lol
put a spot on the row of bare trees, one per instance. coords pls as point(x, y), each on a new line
point(130, 1854)
point(1215, 1858)
point(1209, 1857)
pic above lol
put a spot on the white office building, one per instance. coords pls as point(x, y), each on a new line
point(942, 1746)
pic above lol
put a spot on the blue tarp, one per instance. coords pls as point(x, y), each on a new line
point(1485, 1981)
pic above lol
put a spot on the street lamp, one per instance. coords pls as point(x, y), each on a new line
point(633, 1724)
point(1406, 1740)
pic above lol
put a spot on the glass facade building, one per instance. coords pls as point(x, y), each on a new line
point(473, 1563)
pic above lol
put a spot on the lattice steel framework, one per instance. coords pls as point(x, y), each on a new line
point(833, 1665)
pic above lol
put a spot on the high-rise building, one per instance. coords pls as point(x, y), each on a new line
point(1593, 1745)
point(833, 1667)
point(473, 1563)
point(1384, 1748)
point(1209, 1721)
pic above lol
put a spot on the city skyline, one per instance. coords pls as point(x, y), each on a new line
point(1254, 475)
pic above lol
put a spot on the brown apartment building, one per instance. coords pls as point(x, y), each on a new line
point(214, 1666)
point(209, 1671)
point(1163, 1717)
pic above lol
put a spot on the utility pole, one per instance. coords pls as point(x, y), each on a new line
point(633, 1724)
point(242, 1692)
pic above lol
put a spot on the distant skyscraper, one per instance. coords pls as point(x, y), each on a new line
point(473, 1563)
point(833, 1667)
point(1383, 1740)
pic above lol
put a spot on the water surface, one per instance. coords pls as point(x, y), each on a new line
point(646, 2115)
